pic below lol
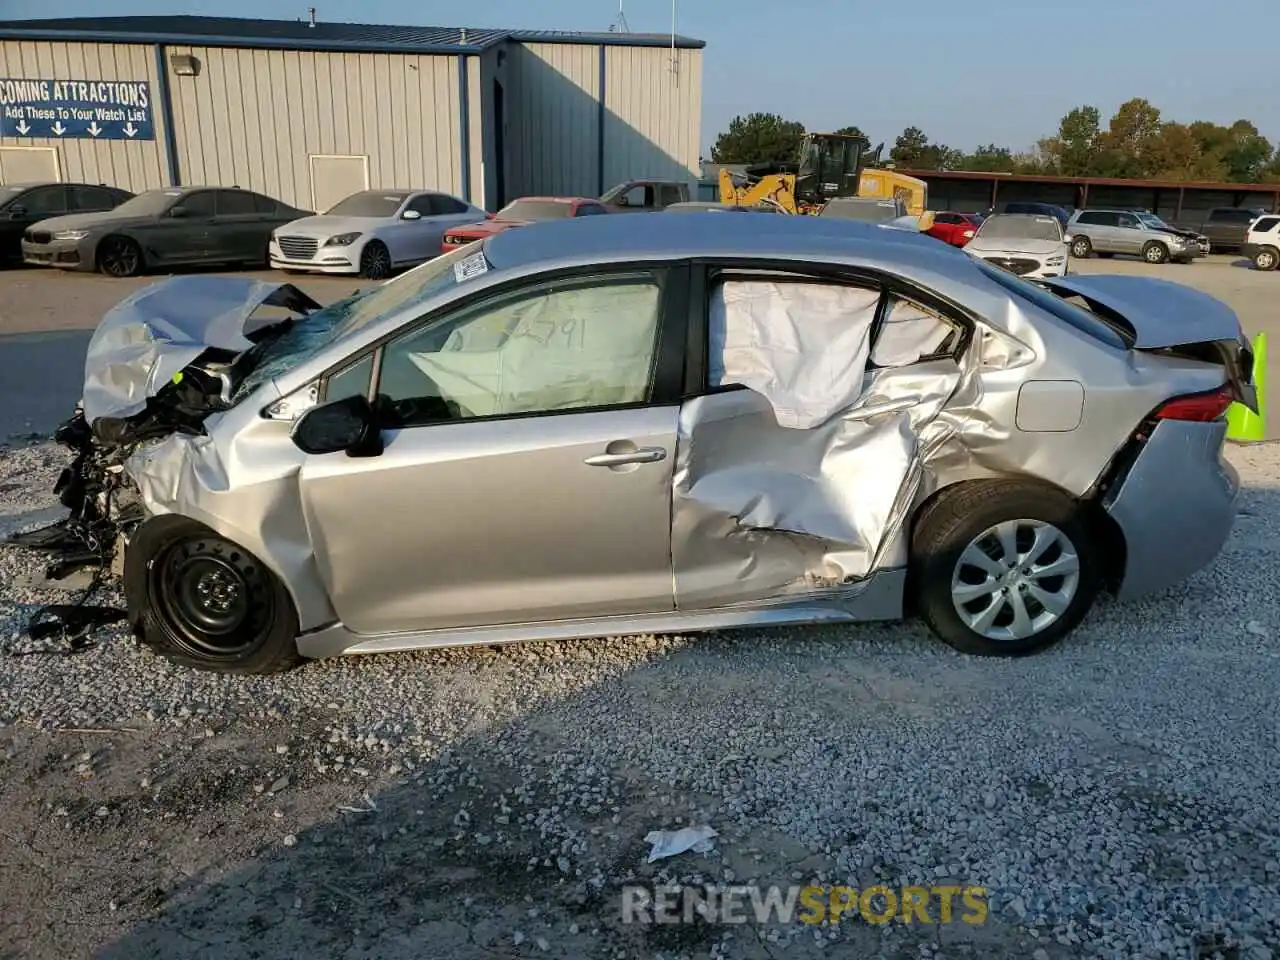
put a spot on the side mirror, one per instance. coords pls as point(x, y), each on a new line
point(347, 425)
point(411, 215)
point(179, 212)
point(1067, 238)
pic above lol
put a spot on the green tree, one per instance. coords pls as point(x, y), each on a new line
point(1075, 150)
point(1176, 153)
point(990, 158)
point(1129, 143)
point(852, 132)
point(758, 138)
point(910, 148)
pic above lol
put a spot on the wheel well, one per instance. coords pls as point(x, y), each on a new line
point(1110, 536)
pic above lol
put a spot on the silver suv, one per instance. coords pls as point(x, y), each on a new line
point(1108, 232)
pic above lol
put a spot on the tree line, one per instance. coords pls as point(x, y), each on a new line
point(1136, 143)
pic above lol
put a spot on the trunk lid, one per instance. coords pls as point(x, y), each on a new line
point(1160, 315)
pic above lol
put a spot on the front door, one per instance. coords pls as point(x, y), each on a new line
point(183, 238)
point(527, 472)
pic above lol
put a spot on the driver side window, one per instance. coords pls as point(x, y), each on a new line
point(577, 344)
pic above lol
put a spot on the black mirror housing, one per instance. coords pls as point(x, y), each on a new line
point(349, 425)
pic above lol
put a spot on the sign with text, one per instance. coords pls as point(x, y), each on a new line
point(76, 109)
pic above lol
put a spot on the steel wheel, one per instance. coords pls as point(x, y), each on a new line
point(1015, 579)
point(216, 600)
point(119, 257)
point(375, 261)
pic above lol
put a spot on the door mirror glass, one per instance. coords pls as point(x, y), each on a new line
point(347, 425)
point(1068, 238)
point(179, 211)
point(411, 215)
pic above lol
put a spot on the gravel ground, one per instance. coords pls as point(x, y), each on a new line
point(1115, 795)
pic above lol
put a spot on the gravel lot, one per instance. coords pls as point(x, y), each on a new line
point(1115, 795)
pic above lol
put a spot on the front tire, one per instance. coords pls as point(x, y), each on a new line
point(119, 257)
point(1155, 252)
point(1003, 568)
point(202, 601)
point(1266, 259)
point(1081, 248)
point(375, 261)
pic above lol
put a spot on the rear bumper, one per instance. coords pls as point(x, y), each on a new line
point(1175, 506)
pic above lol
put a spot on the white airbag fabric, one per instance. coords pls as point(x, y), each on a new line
point(908, 334)
point(580, 347)
point(803, 346)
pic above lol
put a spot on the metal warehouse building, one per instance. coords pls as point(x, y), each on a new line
point(310, 112)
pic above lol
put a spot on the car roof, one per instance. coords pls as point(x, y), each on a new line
point(655, 236)
point(557, 200)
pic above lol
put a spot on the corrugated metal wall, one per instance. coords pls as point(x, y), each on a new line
point(553, 145)
point(253, 117)
point(130, 164)
point(653, 114)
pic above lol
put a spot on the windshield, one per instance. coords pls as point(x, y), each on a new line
point(1082, 320)
point(312, 334)
point(1020, 227)
point(1151, 220)
point(148, 204)
point(370, 203)
point(535, 210)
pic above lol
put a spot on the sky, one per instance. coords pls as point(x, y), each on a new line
point(986, 71)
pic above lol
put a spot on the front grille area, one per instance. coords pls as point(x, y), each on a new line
point(1018, 265)
point(39, 236)
point(298, 248)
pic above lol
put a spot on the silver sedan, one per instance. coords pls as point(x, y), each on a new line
point(651, 424)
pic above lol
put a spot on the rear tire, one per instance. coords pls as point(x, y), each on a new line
point(202, 601)
point(1155, 252)
point(1081, 248)
point(1003, 568)
point(1267, 258)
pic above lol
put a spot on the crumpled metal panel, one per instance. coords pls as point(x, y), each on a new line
point(148, 337)
point(772, 497)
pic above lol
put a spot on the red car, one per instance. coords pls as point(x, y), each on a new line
point(956, 229)
point(521, 213)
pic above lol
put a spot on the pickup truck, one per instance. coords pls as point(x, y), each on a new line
point(639, 196)
point(1226, 227)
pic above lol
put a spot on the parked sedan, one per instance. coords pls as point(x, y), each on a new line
point(160, 229)
point(521, 213)
point(956, 229)
point(653, 424)
point(371, 233)
point(23, 204)
point(1030, 245)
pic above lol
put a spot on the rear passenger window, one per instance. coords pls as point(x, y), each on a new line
point(911, 333)
point(1266, 224)
point(263, 204)
point(444, 205)
point(91, 198)
point(232, 203)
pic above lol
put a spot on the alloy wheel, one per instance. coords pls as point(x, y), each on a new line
point(120, 258)
point(1015, 579)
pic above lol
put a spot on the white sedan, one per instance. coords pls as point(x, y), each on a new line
point(371, 233)
point(1029, 245)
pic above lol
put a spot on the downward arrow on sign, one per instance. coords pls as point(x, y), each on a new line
point(59, 129)
point(129, 129)
point(94, 129)
point(22, 128)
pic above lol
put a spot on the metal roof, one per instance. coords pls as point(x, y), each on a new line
point(199, 31)
point(987, 177)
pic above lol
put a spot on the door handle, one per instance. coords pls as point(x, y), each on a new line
point(642, 455)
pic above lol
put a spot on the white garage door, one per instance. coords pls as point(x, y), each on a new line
point(29, 164)
point(335, 177)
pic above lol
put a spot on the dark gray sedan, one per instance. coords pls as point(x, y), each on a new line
point(179, 226)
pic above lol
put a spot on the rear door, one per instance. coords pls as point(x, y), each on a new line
point(85, 198)
point(239, 232)
point(528, 462)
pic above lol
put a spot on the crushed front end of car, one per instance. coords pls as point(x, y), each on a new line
point(160, 363)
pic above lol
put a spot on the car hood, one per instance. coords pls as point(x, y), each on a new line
point(1160, 312)
point(88, 221)
point(486, 228)
point(1183, 232)
point(148, 338)
point(1014, 247)
point(326, 227)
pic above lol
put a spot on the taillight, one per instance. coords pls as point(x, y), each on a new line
point(1198, 407)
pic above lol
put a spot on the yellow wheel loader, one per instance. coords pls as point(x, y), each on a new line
point(830, 165)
